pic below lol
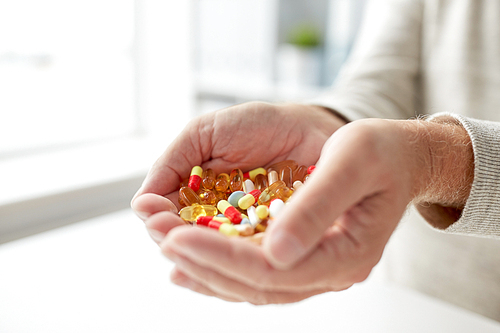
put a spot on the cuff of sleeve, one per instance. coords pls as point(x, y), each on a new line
point(481, 214)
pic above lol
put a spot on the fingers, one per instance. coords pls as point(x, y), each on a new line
point(148, 204)
point(340, 180)
point(160, 224)
point(244, 262)
point(211, 283)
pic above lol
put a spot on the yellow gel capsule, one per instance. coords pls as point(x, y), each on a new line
point(188, 196)
point(270, 193)
point(262, 212)
point(191, 213)
point(236, 180)
point(222, 182)
point(208, 179)
point(228, 230)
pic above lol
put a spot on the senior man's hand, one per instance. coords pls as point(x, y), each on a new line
point(335, 229)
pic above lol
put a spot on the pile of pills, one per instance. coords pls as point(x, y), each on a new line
point(240, 204)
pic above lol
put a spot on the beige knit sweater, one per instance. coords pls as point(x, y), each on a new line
point(418, 57)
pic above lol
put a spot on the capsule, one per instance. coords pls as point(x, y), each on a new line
point(229, 211)
point(276, 207)
point(261, 182)
point(253, 173)
point(205, 220)
point(252, 216)
point(272, 177)
point(192, 213)
point(195, 178)
point(262, 212)
point(278, 166)
point(248, 186)
point(236, 180)
point(222, 182)
point(208, 197)
point(276, 190)
point(299, 173)
point(188, 197)
point(297, 184)
point(311, 169)
point(235, 197)
point(249, 199)
point(208, 180)
point(286, 175)
point(244, 229)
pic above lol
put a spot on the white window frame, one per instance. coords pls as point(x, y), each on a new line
point(96, 178)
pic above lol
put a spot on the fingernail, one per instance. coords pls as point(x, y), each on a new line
point(285, 249)
point(156, 235)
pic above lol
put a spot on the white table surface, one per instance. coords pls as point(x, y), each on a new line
point(106, 275)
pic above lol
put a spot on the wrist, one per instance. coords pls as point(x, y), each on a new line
point(447, 160)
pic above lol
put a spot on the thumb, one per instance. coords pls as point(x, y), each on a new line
point(338, 183)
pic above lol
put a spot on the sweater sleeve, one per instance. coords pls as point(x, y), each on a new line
point(481, 214)
point(380, 77)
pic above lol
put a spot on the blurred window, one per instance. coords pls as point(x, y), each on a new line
point(66, 72)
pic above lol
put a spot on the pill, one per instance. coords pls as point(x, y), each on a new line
point(188, 197)
point(249, 199)
point(208, 179)
point(229, 211)
point(245, 220)
point(208, 197)
point(236, 180)
point(286, 175)
point(272, 177)
point(195, 178)
point(276, 207)
point(248, 186)
point(277, 190)
point(260, 227)
point(262, 211)
point(222, 182)
point(299, 173)
point(278, 166)
point(205, 220)
point(228, 230)
point(244, 229)
point(297, 184)
point(235, 197)
point(252, 216)
point(311, 169)
point(253, 173)
point(261, 182)
point(192, 213)
point(214, 224)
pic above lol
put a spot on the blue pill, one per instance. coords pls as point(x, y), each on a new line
point(235, 197)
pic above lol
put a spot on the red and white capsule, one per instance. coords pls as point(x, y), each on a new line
point(195, 178)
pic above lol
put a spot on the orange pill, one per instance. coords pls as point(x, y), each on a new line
point(261, 182)
point(208, 197)
point(208, 179)
point(188, 196)
point(236, 180)
point(280, 165)
point(299, 173)
point(222, 182)
point(286, 175)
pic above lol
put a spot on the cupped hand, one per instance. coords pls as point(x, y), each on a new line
point(244, 136)
point(331, 234)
